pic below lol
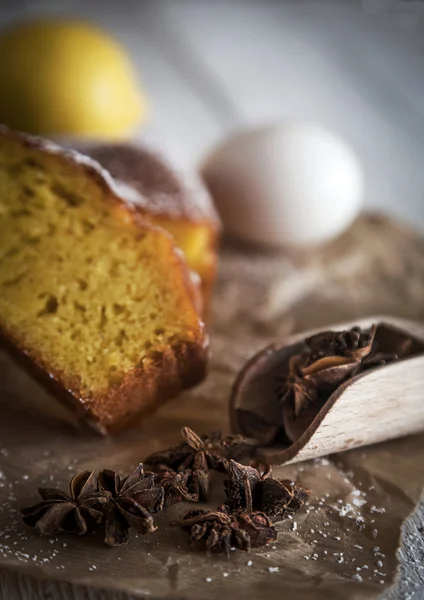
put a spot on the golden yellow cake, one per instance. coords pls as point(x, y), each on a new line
point(95, 301)
point(180, 204)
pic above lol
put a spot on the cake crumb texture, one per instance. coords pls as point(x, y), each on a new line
point(94, 295)
point(165, 196)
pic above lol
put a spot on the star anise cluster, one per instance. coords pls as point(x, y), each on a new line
point(99, 499)
point(330, 358)
point(244, 521)
point(186, 468)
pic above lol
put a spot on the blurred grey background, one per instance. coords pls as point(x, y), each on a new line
point(213, 66)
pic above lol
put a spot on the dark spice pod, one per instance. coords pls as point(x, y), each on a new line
point(131, 503)
point(252, 488)
point(174, 485)
point(197, 456)
point(75, 512)
point(279, 497)
point(221, 529)
point(356, 382)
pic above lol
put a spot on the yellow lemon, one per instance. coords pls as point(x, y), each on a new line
point(67, 77)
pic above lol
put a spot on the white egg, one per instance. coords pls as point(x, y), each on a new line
point(293, 184)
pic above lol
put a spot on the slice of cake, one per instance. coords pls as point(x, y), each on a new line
point(181, 205)
point(94, 300)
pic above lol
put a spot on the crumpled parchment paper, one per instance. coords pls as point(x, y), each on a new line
point(343, 545)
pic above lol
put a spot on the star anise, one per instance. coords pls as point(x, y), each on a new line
point(280, 497)
point(333, 355)
point(75, 512)
point(199, 455)
point(377, 358)
point(131, 502)
point(254, 489)
point(220, 530)
point(296, 389)
point(352, 344)
point(240, 486)
point(330, 358)
point(175, 486)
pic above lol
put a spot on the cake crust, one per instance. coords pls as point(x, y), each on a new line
point(163, 373)
point(160, 189)
point(160, 379)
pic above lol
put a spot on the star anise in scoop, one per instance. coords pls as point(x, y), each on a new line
point(131, 502)
point(220, 530)
point(175, 486)
point(333, 354)
point(75, 512)
point(254, 489)
point(402, 346)
point(199, 455)
point(330, 358)
point(353, 343)
point(296, 389)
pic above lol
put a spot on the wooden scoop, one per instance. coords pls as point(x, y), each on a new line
point(376, 405)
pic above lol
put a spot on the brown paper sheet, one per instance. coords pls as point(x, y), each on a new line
point(343, 545)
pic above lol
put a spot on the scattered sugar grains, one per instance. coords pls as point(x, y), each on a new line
point(359, 502)
point(374, 509)
point(348, 510)
point(322, 462)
